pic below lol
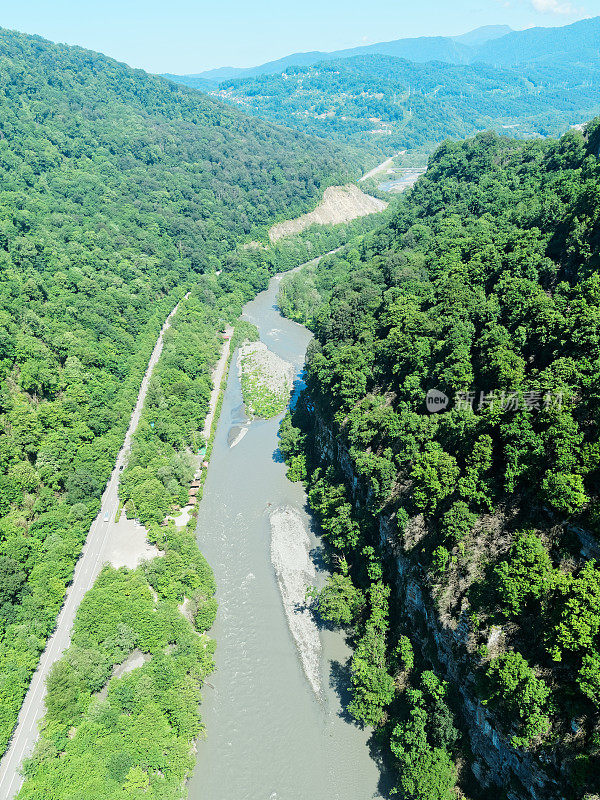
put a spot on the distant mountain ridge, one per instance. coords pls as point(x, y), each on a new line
point(453, 49)
point(496, 45)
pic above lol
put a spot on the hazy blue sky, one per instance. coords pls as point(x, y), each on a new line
point(186, 36)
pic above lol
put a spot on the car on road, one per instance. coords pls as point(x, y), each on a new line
point(106, 516)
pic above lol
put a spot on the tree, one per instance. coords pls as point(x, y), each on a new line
point(372, 685)
point(577, 608)
point(513, 682)
point(425, 772)
point(12, 580)
point(434, 476)
point(525, 576)
point(339, 601)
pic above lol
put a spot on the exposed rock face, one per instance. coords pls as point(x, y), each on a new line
point(497, 762)
point(339, 204)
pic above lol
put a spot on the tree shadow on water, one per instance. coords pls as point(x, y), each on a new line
point(339, 680)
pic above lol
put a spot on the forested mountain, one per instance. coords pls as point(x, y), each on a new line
point(576, 44)
point(388, 103)
point(494, 44)
point(483, 292)
point(117, 189)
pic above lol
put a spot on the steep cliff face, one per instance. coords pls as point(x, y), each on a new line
point(447, 642)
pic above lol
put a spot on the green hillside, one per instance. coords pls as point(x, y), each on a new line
point(117, 190)
point(387, 104)
point(484, 287)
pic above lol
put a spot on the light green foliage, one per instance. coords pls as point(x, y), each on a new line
point(434, 476)
point(589, 676)
point(473, 485)
point(372, 685)
point(265, 383)
point(458, 521)
point(159, 471)
point(525, 576)
point(440, 560)
point(136, 741)
point(515, 685)
point(339, 601)
point(291, 444)
point(565, 491)
point(329, 501)
point(577, 611)
point(405, 654)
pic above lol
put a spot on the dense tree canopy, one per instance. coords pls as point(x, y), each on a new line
point(484, 288)
point(118, 191)
point(385, 103)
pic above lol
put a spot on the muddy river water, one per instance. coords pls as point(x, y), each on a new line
point(274, 718)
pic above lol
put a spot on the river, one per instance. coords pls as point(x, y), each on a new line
point(270, 736)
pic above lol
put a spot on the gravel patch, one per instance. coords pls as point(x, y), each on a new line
point(266, 379)
point(290, 556)
point(339, 204)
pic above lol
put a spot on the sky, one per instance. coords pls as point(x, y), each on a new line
point(187, 36)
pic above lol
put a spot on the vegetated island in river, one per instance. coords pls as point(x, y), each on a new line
point(266, 380)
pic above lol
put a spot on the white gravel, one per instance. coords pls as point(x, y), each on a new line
point(290, 555)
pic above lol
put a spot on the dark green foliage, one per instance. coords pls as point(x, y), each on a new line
point(425, 769)
point(484, 286)
point(372, 685)
point(330, 503)
point(339, 601)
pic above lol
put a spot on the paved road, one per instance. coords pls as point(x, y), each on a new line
point(380, 167)
point(87, 570)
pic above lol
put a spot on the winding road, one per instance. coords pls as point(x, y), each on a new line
point(100, 541)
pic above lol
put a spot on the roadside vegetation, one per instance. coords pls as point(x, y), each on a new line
point(484, 286)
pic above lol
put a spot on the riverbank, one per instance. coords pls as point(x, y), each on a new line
point(103, 543)
point(160, 609)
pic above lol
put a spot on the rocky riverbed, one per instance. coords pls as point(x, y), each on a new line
point(266, 380)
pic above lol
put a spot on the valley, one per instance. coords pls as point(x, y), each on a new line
point(276, 676)
point(299, 419)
